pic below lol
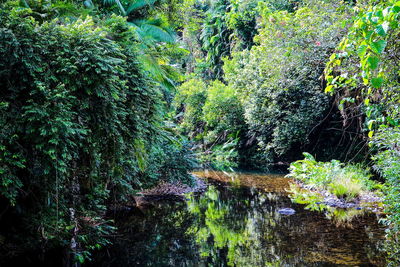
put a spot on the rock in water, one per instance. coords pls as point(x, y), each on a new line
point(287, 211)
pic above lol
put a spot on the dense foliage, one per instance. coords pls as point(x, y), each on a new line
point(279, 79)
point(276, 79)
point(103, 98)
point(364, 72)
point(347, 182)
point(213, 117)
point(82, 126)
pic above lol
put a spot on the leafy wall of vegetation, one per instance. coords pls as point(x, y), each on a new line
point(279, 80)
point(82, 126)
point(364, 74)
point(276, 78)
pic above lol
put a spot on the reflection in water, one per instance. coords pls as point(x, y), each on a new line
point(273, 183)
point(240, 226)
point(315, 202)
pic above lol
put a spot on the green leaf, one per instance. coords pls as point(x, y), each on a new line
point(379, 46)
point(362, 50)
point(214, 39)
point(379, 14)
point(115, 95)
point(329, 89)
point(379, 30)
point(382, 29)
point(80, 258)
point(370, 124)
point(308, 156)
point(377, 82)
point(370, 134)
point(115, 2)
point(158, 33)
point(373, 62)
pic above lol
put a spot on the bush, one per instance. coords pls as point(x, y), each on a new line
point(189, 102)
point(222, 112)
point(170, 162)
point(387, 164)
point(345, 181)
point(213, 118)
point(345, 187)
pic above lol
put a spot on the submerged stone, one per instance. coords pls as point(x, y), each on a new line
point(287, 211)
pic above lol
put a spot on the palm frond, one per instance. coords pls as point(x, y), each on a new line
point(153, 31)
point(138, 4)
point(115, 2)
point(157, 33)
point(108, 2)
point(163, 75)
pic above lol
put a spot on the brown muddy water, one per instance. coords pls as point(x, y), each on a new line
point(237, 222)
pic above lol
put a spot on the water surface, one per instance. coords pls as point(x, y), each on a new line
point(236, 223)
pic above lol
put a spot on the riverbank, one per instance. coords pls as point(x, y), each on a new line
point(169, 191)
point(366, 200)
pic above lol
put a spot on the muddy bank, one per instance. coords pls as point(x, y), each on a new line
point(170, 191)
point(162, 192)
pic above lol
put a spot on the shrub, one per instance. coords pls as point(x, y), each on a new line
point(365, 70)
point(387, 164)
point(212, 117)
point(345, 181)
point(169, 161)
point(189, 102)
point(222, 111)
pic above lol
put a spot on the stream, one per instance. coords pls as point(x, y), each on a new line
point(237, 222)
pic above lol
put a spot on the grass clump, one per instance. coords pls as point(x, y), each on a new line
point(346, 188)
point(346, 182)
